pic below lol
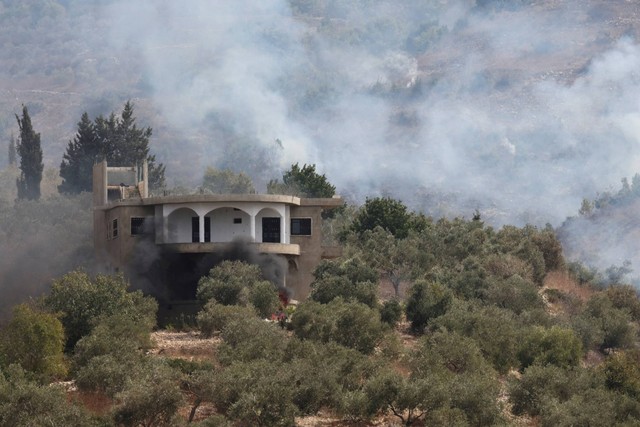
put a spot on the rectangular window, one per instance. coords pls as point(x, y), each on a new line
point(271, 230)
point(137, 226)
point(114, 228)
point(237, 220)
point(301, 226)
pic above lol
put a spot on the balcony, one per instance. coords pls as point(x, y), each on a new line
point(266, 248)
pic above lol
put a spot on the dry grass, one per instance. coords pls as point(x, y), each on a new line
point(190, 346)
point(572, 294)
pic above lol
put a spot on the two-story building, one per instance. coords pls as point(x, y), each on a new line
point(187, 234)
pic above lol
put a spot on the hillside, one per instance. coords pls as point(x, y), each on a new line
point(446, 102)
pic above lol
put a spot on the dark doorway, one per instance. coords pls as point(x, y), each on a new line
point(271, 230)
point(195, 229)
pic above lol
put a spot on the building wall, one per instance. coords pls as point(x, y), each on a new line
point(301, 269)
point(172, 219)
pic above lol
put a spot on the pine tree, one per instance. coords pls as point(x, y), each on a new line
point(30, 153)
point(12, 150)
point(77, 163)
point(114, 138)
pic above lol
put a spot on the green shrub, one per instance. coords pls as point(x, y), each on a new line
point(427, 300)
point(556, 346)
point(391, 312)
point(351, 280)
point(35, 341)
point(496, 331)
point(255, 393)
point(150, 398)
point(351, 324)
point(251, 339)
point(81, 300)
point(214, 317)
point(24, 403)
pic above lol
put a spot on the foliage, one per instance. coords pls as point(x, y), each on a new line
point(24, 403)
point(225, 181)
point(116, 139)
point(449, 379)
point(35, 341)
point(427, 300)
point(150, 399)
point(214, 317)
point(238, 283)
point(387, 213)
point(554, 346)
point(515, 294)
point(99, 365)
point(351, 324)
point(255, 393)
point(30, 153)
point(350, 280)
point(12, 151)
point(82, 152)
point(384, 252)
point(603, 325)
point(622, 372)
point(391, 312)
point(81, 300)
point(540, 384)
point(496, 331)
point(302, 182)
point(249, 339)
point(625, 297)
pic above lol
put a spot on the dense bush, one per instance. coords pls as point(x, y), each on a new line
point(24, 403)
point(351, 280)
point(81, 300)
point(496, 331)
point(427, 300)
point(238, 283)
point(351, 324)
point(550, 346)
point(249, 339)
point(391, 312)
point(150, 398)
point(214, 317)
point(35, 341)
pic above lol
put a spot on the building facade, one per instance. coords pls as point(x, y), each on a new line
point(187, 234)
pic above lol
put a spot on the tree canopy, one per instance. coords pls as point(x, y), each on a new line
point(302, 181)
point(116, 139)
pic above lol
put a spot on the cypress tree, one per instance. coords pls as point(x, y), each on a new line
point(30, 153)
point(12, 150)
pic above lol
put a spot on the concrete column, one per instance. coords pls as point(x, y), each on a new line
point(201, 219)
point(252, 227)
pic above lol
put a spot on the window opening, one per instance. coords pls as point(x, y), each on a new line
point(195, 229)
point(138, 226)
point(301, 226)
point(271, 230)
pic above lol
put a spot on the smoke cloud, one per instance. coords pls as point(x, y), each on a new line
point(519, 112)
